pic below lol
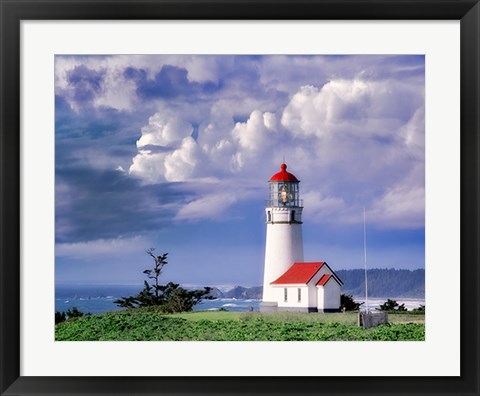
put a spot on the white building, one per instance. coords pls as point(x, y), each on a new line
point(289, 283)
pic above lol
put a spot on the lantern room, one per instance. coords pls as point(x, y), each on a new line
point(284, 189)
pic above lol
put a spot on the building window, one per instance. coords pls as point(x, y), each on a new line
point(285, 295)
point(299, 291)
point(292, 216)
point(269, 216)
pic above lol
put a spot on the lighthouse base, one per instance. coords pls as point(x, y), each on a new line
point(271, 306)
point(268, 306)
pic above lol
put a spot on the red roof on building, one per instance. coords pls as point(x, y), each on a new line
point(283, 175)
point(299, 273)
point(324, 279)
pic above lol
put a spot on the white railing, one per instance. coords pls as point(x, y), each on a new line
point(278, 203)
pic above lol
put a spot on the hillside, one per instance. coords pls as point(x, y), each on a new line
point(381, 283)
point(384, 282)
point(150, 325)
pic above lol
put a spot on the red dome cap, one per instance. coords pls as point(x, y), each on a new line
point(283, 175)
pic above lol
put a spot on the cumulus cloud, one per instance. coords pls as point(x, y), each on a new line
point(164, 129)
point(256, 133)
point(181, 164)
point(351, 107)
point(149, 166)
point(350, 127)
point(343, 128)
point(222, 148)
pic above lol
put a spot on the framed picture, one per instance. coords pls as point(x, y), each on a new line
point(72, 72)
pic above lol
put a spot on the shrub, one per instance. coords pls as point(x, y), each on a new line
point(170, 297)
point(392, 305)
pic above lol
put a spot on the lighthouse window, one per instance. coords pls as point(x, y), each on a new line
point(292, 215)
point(285, 295)
point(299, 294)
point(269, 216)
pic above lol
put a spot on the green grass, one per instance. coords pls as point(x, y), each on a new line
point(209, 315)
point(150, 325)
point(345, 318)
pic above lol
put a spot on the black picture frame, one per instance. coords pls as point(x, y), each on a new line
point(14, 11)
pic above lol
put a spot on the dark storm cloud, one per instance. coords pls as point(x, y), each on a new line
point(94, 205)
point(97, 122)
point(85, 82)
point(169, 82)
point(93, 200)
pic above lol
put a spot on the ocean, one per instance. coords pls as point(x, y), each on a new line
point(100, 298)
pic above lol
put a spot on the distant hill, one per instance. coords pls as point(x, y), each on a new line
point(245, 293)
point(384, 282)
point(239, 292)
point(381, 283)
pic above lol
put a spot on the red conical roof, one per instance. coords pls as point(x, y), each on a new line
point(283, 175)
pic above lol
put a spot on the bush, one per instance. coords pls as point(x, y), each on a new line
point(348, 304)
point(170, 297)
point(70, 314)
point(60, 317)
point(392, 305)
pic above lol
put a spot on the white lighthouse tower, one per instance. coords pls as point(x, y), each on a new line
point(284, 242)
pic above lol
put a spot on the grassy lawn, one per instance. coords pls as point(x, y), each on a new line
point(149, 325)
point(209, 315)
point(344, 318)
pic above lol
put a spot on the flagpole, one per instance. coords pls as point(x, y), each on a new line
point(365, 257)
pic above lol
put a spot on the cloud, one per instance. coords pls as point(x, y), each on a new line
point(209, 206)
point(319, 208)
point(169, 82)
point(100, 247)
point(148, 166)
point(255, 134)
point(341, 127)
point(92, 204)
point(180, 165)
point(402, 206)
point(351, 107)
point(94, 81)
point(216, 153)
point(164, 128)
point(350, 127)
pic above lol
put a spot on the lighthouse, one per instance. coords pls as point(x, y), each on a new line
point(289, 283)
point(284, 242)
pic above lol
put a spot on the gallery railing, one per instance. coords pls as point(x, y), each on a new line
point(279, 203)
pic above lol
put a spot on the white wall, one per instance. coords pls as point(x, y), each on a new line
point(292, 291)
point(283, 247)
point(313, 295)
point(327, 297)
point(331, 295)
point(320, 298)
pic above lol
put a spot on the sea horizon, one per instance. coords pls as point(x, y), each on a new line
point(99, 298)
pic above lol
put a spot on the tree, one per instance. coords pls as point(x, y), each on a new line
point(392, 305)
point(60, 317)
point(170, 297)
point(160, 262)
point(420, 309)
point(347, 303)
point(74, 313)
point(178, 299)
point(70, 314)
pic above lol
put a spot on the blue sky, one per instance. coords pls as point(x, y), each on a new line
point(174, 152)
